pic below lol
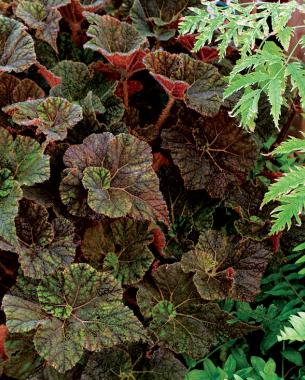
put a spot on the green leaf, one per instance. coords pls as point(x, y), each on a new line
point(133, 186)
point(178, 316)
point(43, 246)
point(120, 247)
point(297, 72)
point(43, 16)
point(17, 51)
point(297, 331)
point(293, 356)
point(78, 308)
point(52, 116)
point(226, 267)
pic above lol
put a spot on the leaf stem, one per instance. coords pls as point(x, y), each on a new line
point(125, 94)
point(165, 113)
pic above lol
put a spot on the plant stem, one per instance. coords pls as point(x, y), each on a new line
point(165, 113)
point(125, 93)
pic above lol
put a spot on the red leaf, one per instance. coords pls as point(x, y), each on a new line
point(134, 86)
point(3, 335)
point(206, 54)
point(276, 241)
point(159, 160)
point(50, 78)
point(159, 240)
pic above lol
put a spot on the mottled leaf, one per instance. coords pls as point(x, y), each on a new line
point(119, 42)
point(108, 364)
point(149, 16)
point(17, 51)
point(23, 360)
point(118, 175)
point(180, 319)
point(22, 162)
point(254, 222)
point(43, 246)
point(26, 89)
point(185, 78)
point(78, 308)
point(43, 16)
point(120, 247)
point(214, 155)
point(52, 116)
point(226, 267)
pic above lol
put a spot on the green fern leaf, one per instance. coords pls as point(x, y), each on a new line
point(293, 144)
point(275, 97)
point(297, 331)
point(286, 184)
point(291, 207)
point(297, 72)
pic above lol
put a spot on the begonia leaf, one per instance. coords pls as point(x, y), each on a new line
point(78, 308)
point(214, 155)
point(180, 319)
point(119, 42)
point(108, 364)
point(23, 360)
point(184, 78)
point(22, 162)
point(43, 246)
point(53, 116)
point(92, 91)
point(254, 222)
point(149, 17)
point(117, 172)
point(226, 267)
point(8, 83)
point(43, 16)
point(116, 364)
point(121, 247)
point(25, 90)
point(17, 51)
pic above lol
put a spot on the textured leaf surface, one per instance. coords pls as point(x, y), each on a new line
point(180, 319)
point(226, 267)
point(44, 246)
point(23, 360)
point(213, 155)
point(148, 17)
point(118, 175)
point(78, 308)
point(25, 158)
point(17, 51)
point(42, 16)
point(120, 43)
point(177, 72)
point(53, 116)
point(121, 247)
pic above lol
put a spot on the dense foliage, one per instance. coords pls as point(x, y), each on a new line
point(138, 237)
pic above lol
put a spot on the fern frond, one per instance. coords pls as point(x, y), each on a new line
point(291, 145)
point(297, 73)
point(297, 331)
point(286, 184)
point(291, 207)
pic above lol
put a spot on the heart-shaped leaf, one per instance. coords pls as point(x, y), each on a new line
point(17, 51)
